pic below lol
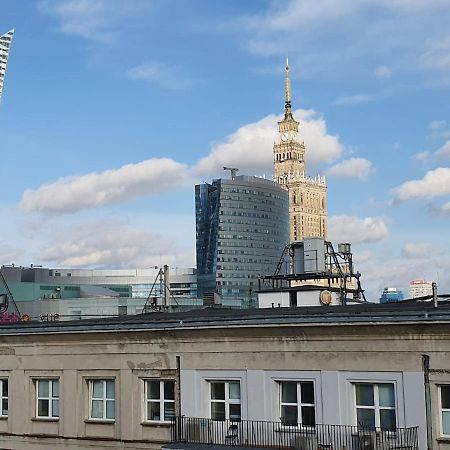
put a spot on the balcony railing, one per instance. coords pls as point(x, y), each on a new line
point(251, 433)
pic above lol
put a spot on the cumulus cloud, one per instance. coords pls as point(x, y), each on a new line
point(162, 74)
point(352, 168)
point(353, 100)
point(435, 183)
point(440, 210)
point(444, 151)
point(97, 20)
point(416, 250)
point(114, 244)
point(250, 147)
point(72, 194)
point(379, 271)
point(357, 230)
point(383, 72)
point(421, 156)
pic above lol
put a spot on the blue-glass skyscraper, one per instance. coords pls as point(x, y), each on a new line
point(5, 45)
point(242, 227)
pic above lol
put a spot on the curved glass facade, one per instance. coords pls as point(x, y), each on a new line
point(242, 227)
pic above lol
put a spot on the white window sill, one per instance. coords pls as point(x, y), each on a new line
point(3, 417)
point(104, 421)
point(156, 423)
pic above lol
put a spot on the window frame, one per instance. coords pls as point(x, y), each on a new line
point(162, 400)
point(50, 398)
point(4, 397)
point(227, 401)
point(441, 411)
point(376, 400)
point(298, 404)
point(104, 399)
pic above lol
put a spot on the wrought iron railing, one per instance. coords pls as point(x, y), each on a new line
point(252, 433)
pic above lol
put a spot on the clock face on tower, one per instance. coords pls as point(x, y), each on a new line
point(284, 136)
point(294, 136)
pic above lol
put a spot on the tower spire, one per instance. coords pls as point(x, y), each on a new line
point(287, 83)
point(287, 93)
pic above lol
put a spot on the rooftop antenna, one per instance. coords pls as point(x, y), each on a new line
point(233, 171)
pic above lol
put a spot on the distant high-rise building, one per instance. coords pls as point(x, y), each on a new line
point(5, 46)
point(420, 288)
point(307, 196)
point(391, 295)
point(242, 227)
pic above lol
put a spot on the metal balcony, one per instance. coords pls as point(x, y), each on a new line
point(187, 431)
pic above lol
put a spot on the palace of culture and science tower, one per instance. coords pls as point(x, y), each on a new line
point(307, 196)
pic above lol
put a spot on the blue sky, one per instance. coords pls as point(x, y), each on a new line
point(113, 109)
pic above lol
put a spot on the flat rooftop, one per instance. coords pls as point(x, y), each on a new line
point(216, 317)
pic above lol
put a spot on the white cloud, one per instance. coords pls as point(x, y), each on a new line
point(8, 254)
point(437, 125)
point(444, 151)
point(352, 168)
point(162, 74)
point(421, 156)
point(441, 210)
point(72, 194)
point(356, 230)
point(438, 54)
point(445, 209)
point(353, 100)
point(92, 19)
point(430, 263)
point(310, 31)
point(435, 183)
point(114, 243)
point(250, 147)
point(362, 257)
point(383, 72)
point(417, 250)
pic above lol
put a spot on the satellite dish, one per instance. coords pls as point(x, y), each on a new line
point(325, 298)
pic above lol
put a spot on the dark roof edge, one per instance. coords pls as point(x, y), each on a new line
point(423, 318)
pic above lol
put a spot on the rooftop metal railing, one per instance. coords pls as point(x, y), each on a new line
point(251, 433)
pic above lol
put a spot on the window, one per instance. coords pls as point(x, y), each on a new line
point(297, 403)
point(4, 398)
point(102, 400)
point(159, 400)
point(445, 410)
point(47, 398)
point(225, 400)
point(375, 405)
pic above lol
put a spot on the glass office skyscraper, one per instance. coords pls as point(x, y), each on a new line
point(5, 45)
point(242, 227)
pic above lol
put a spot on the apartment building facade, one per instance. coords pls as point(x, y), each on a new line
point(119, 383)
